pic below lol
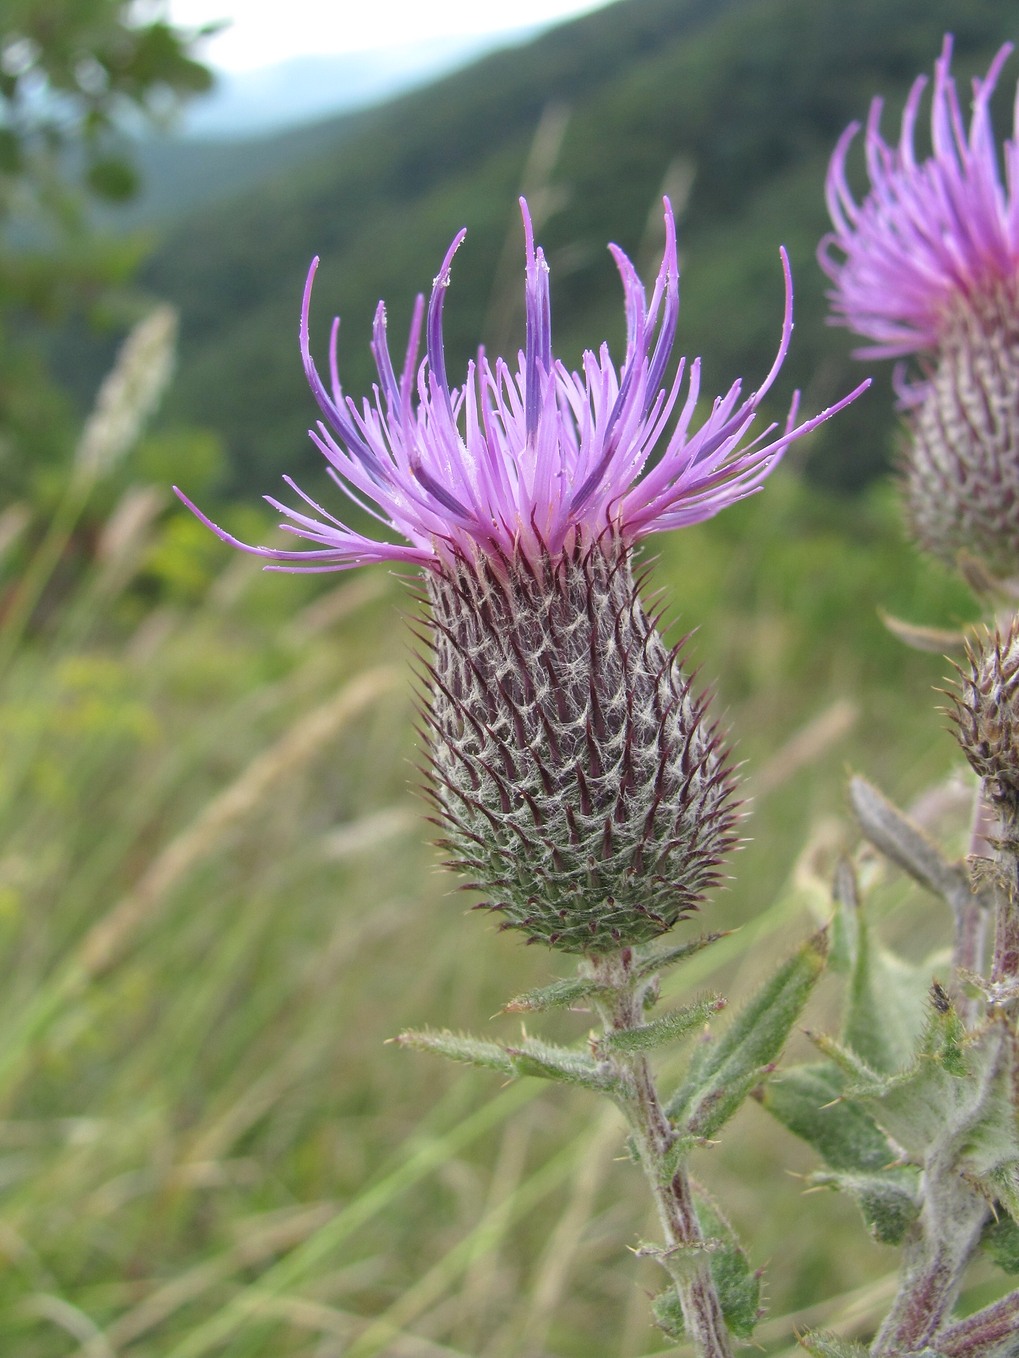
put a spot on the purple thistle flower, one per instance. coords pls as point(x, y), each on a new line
point(533, 461)
point(928, 264)
point(933, 236)
point(575, 775)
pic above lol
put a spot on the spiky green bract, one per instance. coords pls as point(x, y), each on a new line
point(986, 712)
point(577, 779)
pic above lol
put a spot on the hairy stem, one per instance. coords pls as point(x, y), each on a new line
point(986, 1333)
point(935, 1257)
point(654, 1137)
point(968, 954)
point(1005, 963)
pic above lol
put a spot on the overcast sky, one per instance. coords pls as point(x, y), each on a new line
point(263, 32)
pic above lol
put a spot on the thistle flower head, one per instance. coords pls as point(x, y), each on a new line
point(576, 777)
point(928, 264)
point(936, 235)
point(518, 461)
point(986, 711)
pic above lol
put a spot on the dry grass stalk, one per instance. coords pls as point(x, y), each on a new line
point(107, 939)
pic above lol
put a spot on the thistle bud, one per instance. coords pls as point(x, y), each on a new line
point(961, 469)
point(986, 712)
point(577, 779)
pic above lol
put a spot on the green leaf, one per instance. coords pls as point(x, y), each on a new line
point(808, 1101)
point(905, 843)
point(824, 1344)
point(531, 1057)
point(738, 1285)
point(889, 1201)
point(845, 924)
point(956, 1102)
point(1002, 1182)
point(668, 957)
point(112, 178)
point(459, 1047)
point(884, 1010)
point(846, 1060)
point(668, 1314)
point(563, 1064)
point(724, 1072)
point(559, 995)
point(1000, 1239)
point(669, 1028)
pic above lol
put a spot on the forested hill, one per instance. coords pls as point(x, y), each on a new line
point(733, 106)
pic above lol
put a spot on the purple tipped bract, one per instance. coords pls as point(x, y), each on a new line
point(533, 460)
point(933, 235)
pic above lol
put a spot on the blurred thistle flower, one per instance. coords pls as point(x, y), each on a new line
point(928, 264)
point(575, 775)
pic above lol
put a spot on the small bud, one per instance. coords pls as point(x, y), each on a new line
point(577, 779)
point(986, 712)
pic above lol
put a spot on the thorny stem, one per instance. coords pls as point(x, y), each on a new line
point(653, 1138)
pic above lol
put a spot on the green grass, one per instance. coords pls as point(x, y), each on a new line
point(217, 903)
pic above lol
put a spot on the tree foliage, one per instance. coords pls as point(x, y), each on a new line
point(77, 77)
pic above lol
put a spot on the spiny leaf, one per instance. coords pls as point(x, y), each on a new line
point(668, 957)
point(724, 1072)
point(738, 1285)
point(1001, 1241)
point(889, 1201)
point(669, 1028)
point(667, 1314)
point(549, 1062)
point(559, 995)
point(845, 924)
point(959, 1098)
point(531, 1057)
point(847, 1061)
point(825, 1344)
point(1002, 1182)
point(459, 1047)
point(907, 845)
point(884, 1005)
point(808, 1101)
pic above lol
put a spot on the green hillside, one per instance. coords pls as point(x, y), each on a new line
point(742, 100)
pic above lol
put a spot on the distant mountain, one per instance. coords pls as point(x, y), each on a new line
point(732, 106)
point(303, 89)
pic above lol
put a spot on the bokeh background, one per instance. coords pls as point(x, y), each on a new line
point(217, 895)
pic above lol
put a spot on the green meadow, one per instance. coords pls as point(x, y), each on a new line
point(218, 903)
